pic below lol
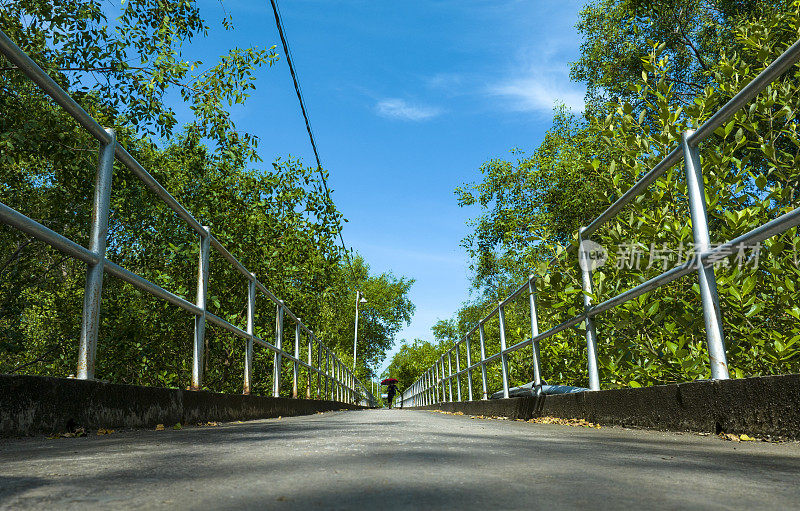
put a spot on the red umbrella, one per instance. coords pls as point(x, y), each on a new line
point(389, 381)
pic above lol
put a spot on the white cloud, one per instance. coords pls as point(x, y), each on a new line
point(539, 93)
point(540, 79)
point(449, 82)
point(396, 108)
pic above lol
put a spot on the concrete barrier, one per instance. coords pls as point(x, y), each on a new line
point(37, 404)
point(767, 406)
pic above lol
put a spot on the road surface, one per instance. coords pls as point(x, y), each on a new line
point(397, 459)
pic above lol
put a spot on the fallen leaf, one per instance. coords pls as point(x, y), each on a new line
point(159, 427)
point(746, 438)
point(177, 426)
point(103, 431)
point(565, 422)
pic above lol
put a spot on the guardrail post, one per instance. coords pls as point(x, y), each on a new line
point(482, 338)
point(251, 313)
point(296, 366)
point(458, 372)
point(319, 368)
point(428, 391)
point(310, 371)
point(537, 367)
point(591, 332)
point(430, 385)
point(450, 375)
point(200, 319)
point(436, 381)
point(469, 364)
point(93, 291)
point(337, 387)
point(277, 357)
point(442, 379)
point(327, 374)
point(503, 356)
point(712, 315)
point(334, 378)
point(338, 379)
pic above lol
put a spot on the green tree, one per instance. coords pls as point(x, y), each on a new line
point(410, 361)
point(618, 33)
point(278, 221)
point(750, 168)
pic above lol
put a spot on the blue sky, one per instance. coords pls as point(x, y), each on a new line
point(407, 100)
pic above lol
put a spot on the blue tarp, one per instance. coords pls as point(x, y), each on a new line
point(525, 390)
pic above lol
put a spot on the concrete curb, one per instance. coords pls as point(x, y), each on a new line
point(767, 406)
point(38, 404)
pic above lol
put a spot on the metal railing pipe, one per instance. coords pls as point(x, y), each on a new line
point(482, 338)
point(450, 375)
point(90, 321)
point(295, 366)
point(712, 315)
point(276, 358)
point(309, 373)
point(251, 331)
point(443, 378)
point(200, 319)
point(14, 218)
point(672, 158)
point(32, 70)
point(503, 357)
point(469, 369)
point(591, 332)
point(772, 72)
point(537, 366)
point(458, 371)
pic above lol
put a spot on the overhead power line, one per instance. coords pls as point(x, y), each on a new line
point(298, 90)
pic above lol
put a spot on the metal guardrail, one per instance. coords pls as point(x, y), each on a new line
point(435, 384)
point(340, 383)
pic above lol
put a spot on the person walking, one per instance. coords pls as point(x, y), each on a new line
point(391, 389)
point(390, 392)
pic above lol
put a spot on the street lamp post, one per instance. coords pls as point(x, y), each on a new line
point(359, 299)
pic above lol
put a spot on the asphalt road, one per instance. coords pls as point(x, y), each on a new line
point(397, 459)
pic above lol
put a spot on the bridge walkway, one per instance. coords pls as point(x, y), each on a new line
point(396, 459)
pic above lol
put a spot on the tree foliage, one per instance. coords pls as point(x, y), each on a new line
point(618, 33)
point(278, 221)
point(531, 208)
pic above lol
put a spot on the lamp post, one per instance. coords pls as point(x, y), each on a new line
point(359, 299)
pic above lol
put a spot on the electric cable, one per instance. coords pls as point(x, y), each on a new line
point(298, 91)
